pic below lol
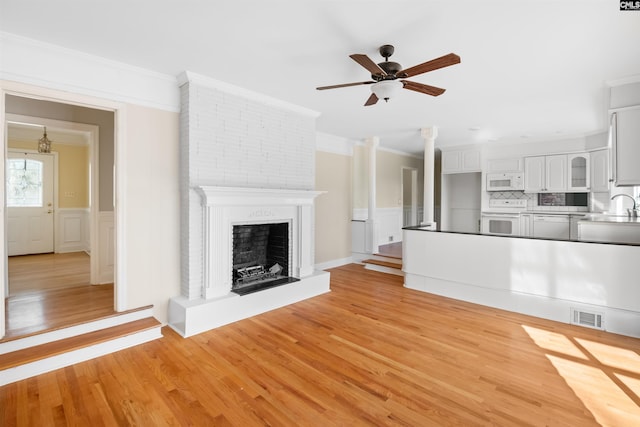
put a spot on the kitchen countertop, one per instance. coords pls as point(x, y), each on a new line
point(555, 213)
point(426, 229)
point(612, 219)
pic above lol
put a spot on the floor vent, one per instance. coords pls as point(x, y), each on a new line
point(587, 318)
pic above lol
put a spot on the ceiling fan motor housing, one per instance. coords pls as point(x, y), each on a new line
point(389, 67)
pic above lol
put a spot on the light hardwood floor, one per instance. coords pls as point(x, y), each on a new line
point(51, 291)
point(370, 352)
point(48, 271)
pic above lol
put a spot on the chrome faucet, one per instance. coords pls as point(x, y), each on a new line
point(633, 212)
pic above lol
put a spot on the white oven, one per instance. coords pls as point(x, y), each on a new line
point(505, 181)
point(501, 224)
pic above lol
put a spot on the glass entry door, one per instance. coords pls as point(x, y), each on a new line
point(29, 186)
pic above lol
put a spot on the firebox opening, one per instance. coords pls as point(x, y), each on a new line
point(260, 257)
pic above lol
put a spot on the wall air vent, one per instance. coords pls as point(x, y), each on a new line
point(590, 319)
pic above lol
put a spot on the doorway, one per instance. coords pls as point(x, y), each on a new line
point(68, 221)
point(29, 202)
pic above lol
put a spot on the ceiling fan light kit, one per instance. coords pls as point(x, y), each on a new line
point(386, 89)
point(385, 75)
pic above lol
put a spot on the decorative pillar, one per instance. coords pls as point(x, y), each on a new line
point(371, 223)
point(429, 135)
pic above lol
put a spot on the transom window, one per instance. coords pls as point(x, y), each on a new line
point(24, 183)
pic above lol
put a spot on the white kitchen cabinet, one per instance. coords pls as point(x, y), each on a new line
point(579, 175)
point(600, 173)
point(626, 147)
point(526, 225)
point(545, 174)
point(504, 165)
point(461, 161)
point(556, 173)
point(534, 174)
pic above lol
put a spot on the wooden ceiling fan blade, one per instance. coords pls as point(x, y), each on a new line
point(434, 64)
point(344, 85)
point(422, 88)
point(368, 63)
point(372, 100)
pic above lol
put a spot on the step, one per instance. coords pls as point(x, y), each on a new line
point(10, 344)
point(45, 357)
point(384, 265)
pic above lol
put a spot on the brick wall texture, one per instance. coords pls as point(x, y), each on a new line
point(233, 141)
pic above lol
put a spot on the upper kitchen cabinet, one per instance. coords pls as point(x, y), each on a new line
point(461, 161)
point(600, 175)
point(625, 128)
point(545, 174)
point(504, 165)
point(578, 169)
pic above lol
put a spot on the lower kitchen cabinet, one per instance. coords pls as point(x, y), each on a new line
point(526, 221)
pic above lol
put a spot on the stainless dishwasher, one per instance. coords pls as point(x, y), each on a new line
point(551, 226)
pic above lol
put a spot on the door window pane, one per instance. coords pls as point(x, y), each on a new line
point(24, 183)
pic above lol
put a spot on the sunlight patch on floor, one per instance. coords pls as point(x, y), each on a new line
point(605, 378)
point(608, 403)
point(553, 341)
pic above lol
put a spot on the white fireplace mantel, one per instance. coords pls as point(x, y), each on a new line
point(225, 207)
point(242, 196)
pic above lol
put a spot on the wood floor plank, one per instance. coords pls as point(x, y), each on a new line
point(370, 352)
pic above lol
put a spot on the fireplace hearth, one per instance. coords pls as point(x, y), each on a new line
point(288, 217)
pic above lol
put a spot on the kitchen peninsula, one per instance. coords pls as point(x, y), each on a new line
point(591, 284)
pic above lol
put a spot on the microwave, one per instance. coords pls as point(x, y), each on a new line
point(505, 181)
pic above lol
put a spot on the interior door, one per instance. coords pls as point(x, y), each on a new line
point(29, 203)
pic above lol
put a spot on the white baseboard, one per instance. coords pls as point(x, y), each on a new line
point(617, 321)
point(334, 263)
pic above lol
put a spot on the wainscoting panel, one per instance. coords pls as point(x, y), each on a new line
point(72, 227)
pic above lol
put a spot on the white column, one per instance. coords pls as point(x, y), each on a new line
point(429, 135)
point(371, 223)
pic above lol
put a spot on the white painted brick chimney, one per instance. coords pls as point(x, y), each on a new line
point(232, 137)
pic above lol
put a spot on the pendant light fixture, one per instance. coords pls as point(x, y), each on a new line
point(44, 143)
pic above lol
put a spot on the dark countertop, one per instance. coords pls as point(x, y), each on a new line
point(421, 228)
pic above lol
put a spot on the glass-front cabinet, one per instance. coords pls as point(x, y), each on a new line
point(578, 168)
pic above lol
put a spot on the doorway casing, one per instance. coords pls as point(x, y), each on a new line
point(29, 91)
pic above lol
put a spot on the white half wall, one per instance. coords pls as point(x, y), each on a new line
point(543, 278)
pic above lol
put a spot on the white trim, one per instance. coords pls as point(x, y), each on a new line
point(334, 263)
point(19, 89)
point(78, 72)
point(119, 207)
point(72, 331)
point(91, 135)
point(81, 355)
point(334, 144)
point(623, 81)
point(200, 80)
point(361, 143)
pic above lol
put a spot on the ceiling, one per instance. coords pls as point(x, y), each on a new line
point(530, 70)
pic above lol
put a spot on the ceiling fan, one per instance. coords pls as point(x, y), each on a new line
point(387, 77)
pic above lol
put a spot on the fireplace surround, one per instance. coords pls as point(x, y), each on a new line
point(225, 208)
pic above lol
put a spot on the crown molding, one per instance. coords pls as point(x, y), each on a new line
point(51, 66)
point(208, 82)
point(334, 144)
